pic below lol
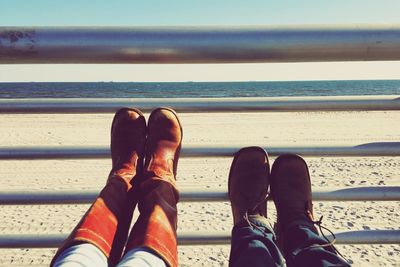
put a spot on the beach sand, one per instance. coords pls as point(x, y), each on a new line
point(263, 129)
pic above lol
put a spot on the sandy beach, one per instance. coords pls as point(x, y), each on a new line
point(263, 129)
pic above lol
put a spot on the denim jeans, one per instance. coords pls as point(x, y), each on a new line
point(255, 245)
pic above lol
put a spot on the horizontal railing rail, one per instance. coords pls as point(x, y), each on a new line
point(348, 237)
point(369, 149)
point(42, 45)
point(368, 193)
point(242, 104)
point(205, 238)
point(20, 45)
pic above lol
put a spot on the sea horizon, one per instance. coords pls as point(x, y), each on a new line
point(191, 89)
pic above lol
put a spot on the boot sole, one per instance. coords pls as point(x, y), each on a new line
point(282, 159)
point(237, 155)
point(121, 110)
point(178, 151)
point(173, 112)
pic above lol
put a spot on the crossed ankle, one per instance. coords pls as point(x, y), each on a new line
point(160, 169)
point(123, 176)
point(254, 220)
point(286, 226)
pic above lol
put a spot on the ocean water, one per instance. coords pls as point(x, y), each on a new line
point(197, 89)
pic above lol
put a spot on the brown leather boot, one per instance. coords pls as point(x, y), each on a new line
point(156, 226)
point(291, 191)
point(106, 223)
point(296, 232)
point(248, 183)
point(128, 139)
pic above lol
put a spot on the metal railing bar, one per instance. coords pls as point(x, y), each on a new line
point(369, 149)
point(202, 238)
point(250, 104)
point(21, 45)
point(370, 193)
point(348, 237)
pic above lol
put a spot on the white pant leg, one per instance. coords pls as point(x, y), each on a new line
point(82, 255)
point(141, 257)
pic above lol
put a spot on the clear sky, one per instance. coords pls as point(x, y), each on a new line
point(205, 12)
point(192, 12)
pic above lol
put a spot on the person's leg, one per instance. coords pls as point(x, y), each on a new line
point(141, 257)
point(106, 224)
point(84, 254)
point(305, 247)
point(253, 244)
point(297, 235)
point(253, 240)
point(155, 229)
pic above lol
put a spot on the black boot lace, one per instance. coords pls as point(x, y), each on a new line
point(252, 210)
point(330, 242)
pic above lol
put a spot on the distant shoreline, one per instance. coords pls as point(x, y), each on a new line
point(197, 89)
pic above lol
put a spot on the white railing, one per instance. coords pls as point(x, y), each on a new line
point(237, 104)
point(199, 45)
point(366, 150)
point(202, 238)
point(366, 193)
